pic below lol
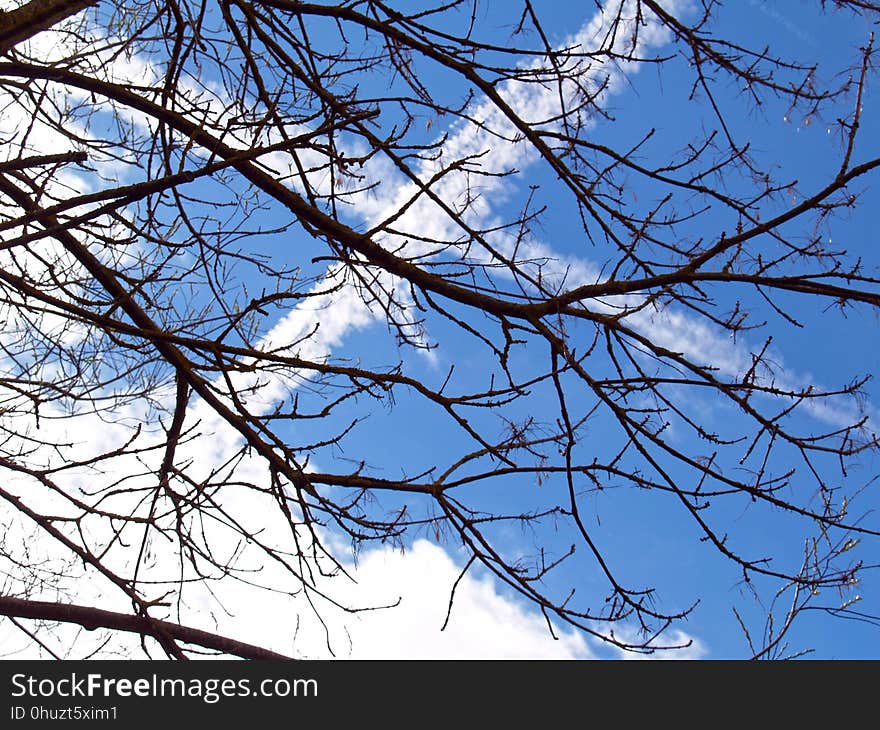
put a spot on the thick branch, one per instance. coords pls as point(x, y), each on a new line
point(38, 15)
point(96, 618)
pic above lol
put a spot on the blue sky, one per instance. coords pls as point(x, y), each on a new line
point(643, 534)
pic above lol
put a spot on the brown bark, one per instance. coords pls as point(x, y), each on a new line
point(36, 16)
point(96, 618)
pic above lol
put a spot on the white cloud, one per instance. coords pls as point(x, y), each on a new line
point(483, 623)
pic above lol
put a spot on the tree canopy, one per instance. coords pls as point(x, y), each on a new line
point(284, 283)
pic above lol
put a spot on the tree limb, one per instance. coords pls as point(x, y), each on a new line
point(96, 618)
point(36, 16)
